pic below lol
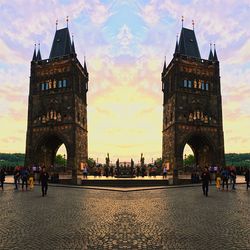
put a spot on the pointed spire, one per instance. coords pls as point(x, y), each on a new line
point(34, 58)
point(211, 56)
point(177, 48)
point(164, 65)
point(56, 23)
point(67, 20)
point(193, 24)
point(215, 54)
point(38, 57)
point(85, 66)
point(73, 45)
point(182, 20)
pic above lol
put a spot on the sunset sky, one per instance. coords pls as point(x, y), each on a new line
point(125, 43)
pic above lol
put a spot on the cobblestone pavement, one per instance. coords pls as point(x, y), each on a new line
point(180, 218)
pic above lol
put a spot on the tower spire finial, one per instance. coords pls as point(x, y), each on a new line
point(215, 54)
point(182, 20)
point(67, 20)
point(39, 57)
point(193, 24)
point(211, 56)
point(56, 23)
point(34, 58)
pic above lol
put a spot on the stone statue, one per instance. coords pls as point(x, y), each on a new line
point(142, 160)
point(107, 160)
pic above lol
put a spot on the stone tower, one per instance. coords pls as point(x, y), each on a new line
point(57, 110)
point(192, 110)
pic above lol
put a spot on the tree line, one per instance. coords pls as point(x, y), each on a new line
point(17, 159)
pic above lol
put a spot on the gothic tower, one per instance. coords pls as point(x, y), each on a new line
point(57, 110)
point(192, 109)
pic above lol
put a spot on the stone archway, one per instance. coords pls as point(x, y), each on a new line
point(47, 147)
point(202, 147)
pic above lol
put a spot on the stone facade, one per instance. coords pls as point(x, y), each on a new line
point(57, 111)
point(192, 109)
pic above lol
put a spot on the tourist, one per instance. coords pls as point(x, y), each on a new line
point(44, 177)
point(218, 180)
point(31, 179)
point(2, 177)
point(165, 171)
point(16, 177)
point(24, 178)
point(233, 177)
point(247, 177)
point(225, 176)
point(205, 177)
point(85, 172)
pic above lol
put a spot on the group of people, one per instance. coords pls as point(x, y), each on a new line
point(25, 177)
point(222, 179)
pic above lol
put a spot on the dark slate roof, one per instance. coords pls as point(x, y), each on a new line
point(73, 51)
point(177, 48)
point(215, 55)
point(188, 44)
point(39, 57)
point(62, 44)
point(34, 55)
point(211, 56)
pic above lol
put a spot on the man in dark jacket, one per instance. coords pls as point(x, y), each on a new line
point(2, 177)
point(44, 177)
point(205, 178)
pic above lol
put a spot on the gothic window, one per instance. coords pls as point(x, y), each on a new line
point(43, 119)
point(64, 83)
point(190, 117)
point(50, 84)
point(199, 84)
point(60, 84)
point(185, 83)
point(202, 85)
point(207, 87)
point(46, 86)
point(54, 84)
point(195, 84)
point(189, 83)
point(42, 86)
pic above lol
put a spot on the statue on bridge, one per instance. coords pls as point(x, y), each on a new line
point(107, 160)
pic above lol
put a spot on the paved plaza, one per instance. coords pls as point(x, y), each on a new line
point(77, 218)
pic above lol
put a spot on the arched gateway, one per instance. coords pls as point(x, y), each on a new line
point(57, 112)
point(192, 110)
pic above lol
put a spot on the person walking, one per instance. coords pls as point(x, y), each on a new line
point(24, 177)
point(44, 177)
point(165, 171)
point(85, 172)
point(2, 177)
point(31, 179)
point(205, 177)
point(225, 177)
point(16, 177)
point(247, 177)
point(218, 179)
point(233, 178)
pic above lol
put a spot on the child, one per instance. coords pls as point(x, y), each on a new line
point(218, 180)
point(31, 179)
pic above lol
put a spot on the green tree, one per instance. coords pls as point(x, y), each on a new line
point(189, 161)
